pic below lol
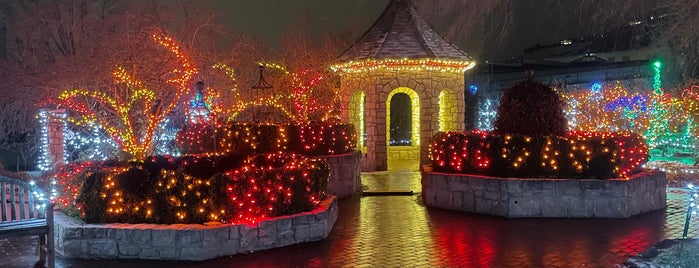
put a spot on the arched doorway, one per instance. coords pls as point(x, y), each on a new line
point(403, 129)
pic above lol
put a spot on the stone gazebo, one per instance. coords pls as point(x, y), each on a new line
point(401, 56)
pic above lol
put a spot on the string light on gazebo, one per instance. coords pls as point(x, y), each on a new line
point(405, 64)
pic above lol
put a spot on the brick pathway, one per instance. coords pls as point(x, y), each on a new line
point(398, 231)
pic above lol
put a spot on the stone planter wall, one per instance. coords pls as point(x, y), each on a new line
point(190, 242)
point(345, 174)
point(546, 198)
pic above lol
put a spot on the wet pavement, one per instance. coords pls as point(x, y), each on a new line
point(398, 231)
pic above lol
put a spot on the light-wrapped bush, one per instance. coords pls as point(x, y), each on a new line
point(310, 139)
point(227, 188)
point(576, 155)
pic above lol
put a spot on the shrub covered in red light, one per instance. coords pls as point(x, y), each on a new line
point(530, 108)
point(229, 188)
point(270, 185)
point(577, 155)
point(310, 139)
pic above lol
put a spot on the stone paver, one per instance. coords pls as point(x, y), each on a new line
point(398, 231)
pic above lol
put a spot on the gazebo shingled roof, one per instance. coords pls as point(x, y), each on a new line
point(400, 32)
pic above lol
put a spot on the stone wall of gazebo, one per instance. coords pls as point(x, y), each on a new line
point(378, 85)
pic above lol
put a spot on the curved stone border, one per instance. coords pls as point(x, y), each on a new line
point(191, 242)
point(546, 198)
point(345, 173)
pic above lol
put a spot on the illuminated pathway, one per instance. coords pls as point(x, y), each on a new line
point(398, 231)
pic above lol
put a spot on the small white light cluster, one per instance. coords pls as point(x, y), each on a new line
point(487, 112)
point(44, 162)
point(92, 140)
point(164, 139)
point(39, 197)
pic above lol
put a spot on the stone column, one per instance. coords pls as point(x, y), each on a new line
point(429, 120)
point(376, 158)
point(460, 103)
point(56, 143)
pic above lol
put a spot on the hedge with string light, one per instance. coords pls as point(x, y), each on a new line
point(577, 155)
point(166, 190)
point(310, 139)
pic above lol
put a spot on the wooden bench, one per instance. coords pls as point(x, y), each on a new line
point(25, 212)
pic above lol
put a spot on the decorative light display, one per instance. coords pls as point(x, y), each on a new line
point(170, 190)
point(44, 158)
point(611, 109)
point(273, 184)
point(46, 118)
point(311, 139)
point(664, 120)
point(199, 110)
point(302, 83)
point(215, 94)
point(692, 208)
point(580, 154)
point(89, 142)
point(473, 89)
point(132, 139)
point(487, 112)
point(303, 104)
point(657, 77)
point(676, 171)
point(405, 64)
point(165, 139)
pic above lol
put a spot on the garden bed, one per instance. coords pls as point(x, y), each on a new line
point(190, 242)
point(546, 197)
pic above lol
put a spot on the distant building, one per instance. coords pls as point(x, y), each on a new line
point(623, 54)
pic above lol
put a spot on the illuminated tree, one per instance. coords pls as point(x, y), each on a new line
point(303, 89)
point(131, 109)
point(64, 44)
point(612, 108)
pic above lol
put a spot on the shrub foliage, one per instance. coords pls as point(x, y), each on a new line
point(310, 139)
point(229, 188)
point(576, 155)
point(530, 108)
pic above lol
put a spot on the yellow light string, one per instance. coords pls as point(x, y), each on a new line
point(125, 134)
point(405, 64)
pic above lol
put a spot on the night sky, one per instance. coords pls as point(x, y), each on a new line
point(269, 18)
